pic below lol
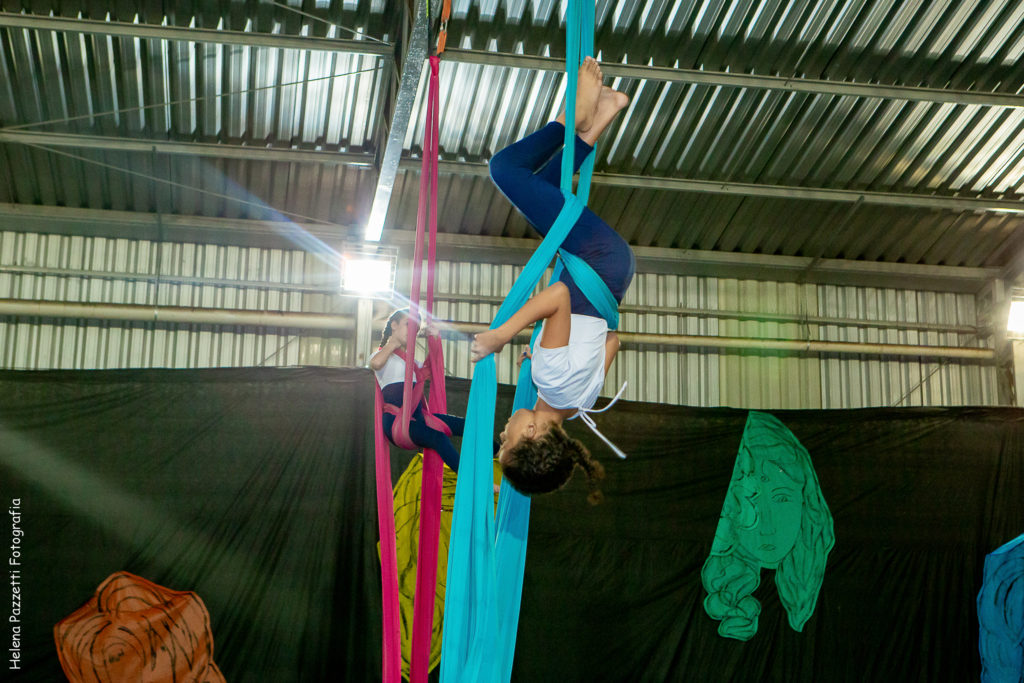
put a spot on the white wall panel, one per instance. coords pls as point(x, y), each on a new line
point(81, 269)
point(752, 378)
point(104, 268)
point(908, 382)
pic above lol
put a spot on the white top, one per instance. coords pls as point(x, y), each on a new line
point(572, 376)
point(393, 370)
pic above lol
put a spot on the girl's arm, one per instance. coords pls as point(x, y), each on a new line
point(611, 347)
point(378, 359)
point(552, 305)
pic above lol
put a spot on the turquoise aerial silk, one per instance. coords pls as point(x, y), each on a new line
point(487, 555)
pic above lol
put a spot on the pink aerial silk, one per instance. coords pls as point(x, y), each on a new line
point(430, 496)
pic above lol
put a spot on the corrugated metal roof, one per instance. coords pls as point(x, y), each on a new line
point(671, 130)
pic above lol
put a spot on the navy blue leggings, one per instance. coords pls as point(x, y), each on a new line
point(537, 195)
point(419, 432)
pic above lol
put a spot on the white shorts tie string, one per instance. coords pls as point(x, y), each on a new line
point(584, 415)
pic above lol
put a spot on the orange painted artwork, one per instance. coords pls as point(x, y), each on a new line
point(135, 630)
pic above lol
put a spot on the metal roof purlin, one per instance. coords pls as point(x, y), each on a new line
point(140, 225)
point(412, 67)
point(928, 201)
point(813, 193)
point(745, 80)
point(226, 151)
point(198, 35)
point(200, 149)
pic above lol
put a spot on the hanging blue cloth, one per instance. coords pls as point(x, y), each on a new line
point(487, 556)
point(1001, 614)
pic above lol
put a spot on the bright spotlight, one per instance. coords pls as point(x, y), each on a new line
point(362, 274)
point(1015, 321)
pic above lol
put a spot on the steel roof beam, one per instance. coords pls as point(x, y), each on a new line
point(478, 248)
point(925, 201)
point(201, 149)
point(451, 297)
point(734, 265)
point(175, 315)
point(169, 226)
point(412, 67)
point(633, 182)
point(478, 169)
point(198, 35)
point(744, 80)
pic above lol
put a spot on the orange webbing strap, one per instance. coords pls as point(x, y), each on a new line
point(442, 33)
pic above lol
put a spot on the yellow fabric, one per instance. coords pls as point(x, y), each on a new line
point(407, 532)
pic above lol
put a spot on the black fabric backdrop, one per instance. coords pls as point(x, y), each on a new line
point(254, 488)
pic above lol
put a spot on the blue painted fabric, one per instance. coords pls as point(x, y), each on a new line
point(1001, 614)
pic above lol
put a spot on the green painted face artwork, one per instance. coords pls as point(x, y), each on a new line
point(771, 504)
point(774, 517)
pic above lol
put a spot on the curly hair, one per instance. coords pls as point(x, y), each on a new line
point(546, 463)
point(395, 317)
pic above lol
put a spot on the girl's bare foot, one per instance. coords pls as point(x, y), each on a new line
point(588, 93)
point(609, 104)
point(485, 344)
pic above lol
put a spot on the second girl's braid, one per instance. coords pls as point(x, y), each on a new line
point(386, 332)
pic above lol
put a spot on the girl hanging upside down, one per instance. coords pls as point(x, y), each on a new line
point(575, 348)
point(389, 366)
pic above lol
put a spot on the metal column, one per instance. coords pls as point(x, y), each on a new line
point(364, 333)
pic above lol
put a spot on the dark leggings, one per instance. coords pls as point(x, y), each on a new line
point(422, 435)
point(537, 195)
